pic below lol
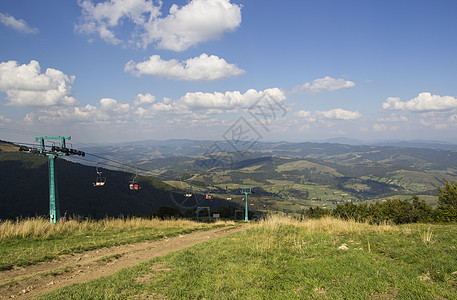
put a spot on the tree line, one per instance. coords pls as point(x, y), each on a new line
point(395, 210)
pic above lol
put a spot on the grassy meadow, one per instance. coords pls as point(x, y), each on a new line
point(26, 242)
point(283, 258)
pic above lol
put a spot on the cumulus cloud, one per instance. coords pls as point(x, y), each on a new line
point(423, 102)
point(211, 102)
point(141, 99)
point(306, 115)
point(25, 85)
point(303, 114)
point(196, 22)
point(104, 17)
point(201, 68)
point(339, 114)
point(19, 25)
point(324, 84)
point(108, 110)
point(323, 117)
point(183, 27)
point(112, 107)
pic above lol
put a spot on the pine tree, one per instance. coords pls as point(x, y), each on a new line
point(447, 196)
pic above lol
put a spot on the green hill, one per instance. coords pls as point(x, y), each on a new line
point(24, 189)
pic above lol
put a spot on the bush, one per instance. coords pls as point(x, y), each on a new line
point(168, 212)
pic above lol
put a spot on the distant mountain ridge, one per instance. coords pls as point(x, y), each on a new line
point(397, 143)
point(428, 158)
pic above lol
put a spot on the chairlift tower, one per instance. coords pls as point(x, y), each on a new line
point(199, 209)
point(54, 209)
point(247, 191)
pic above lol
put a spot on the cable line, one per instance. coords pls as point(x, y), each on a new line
point(119, 165)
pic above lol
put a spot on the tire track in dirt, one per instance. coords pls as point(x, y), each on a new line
point(31, 281)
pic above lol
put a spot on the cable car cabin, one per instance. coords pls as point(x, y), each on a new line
point(209, 197)
point(134, 187)
point(100, 181)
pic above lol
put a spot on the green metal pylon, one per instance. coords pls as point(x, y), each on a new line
point(197, 212)
point(246, 190)
point(54, 210)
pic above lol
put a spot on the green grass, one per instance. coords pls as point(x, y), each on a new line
point(286, 259)
point(31, 241)
point(304, 164)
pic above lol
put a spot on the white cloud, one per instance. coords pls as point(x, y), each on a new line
point(324, 84)
point(303, 114)
point(229, 100)
point(201, 68)
point(183, 27)
point(423, 102)
point(196, 22)
point(160, 108)
point(339, 114)
point(393, 118)
point(307, 115)
point(141, 99)
point(104, 17)
point(216, 102)
point(379, 127)
point(4, 119)
point(19, 25)
point(111, 106)
point(434, 124)
point(107, 111)
point(323, 117)
point(25, 85)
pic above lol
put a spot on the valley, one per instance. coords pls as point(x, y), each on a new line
point(285, 177)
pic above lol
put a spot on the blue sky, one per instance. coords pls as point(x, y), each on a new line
point(115, 71)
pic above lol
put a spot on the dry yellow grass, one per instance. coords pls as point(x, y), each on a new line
point(427, 237)
point(41, 227)
point(8, 147)
point(274, 234)
point(327, 224)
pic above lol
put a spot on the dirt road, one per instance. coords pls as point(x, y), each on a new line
point(44, 277)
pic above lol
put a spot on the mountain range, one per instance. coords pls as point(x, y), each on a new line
point(284, 175)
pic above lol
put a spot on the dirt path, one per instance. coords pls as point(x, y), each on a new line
point(81, 267)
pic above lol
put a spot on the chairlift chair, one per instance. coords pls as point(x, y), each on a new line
point(100, 181)
point(208, 196)
point(133, 185)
